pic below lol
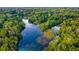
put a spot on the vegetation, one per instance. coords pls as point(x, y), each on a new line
point(68, 39)
point(68, 35)
point(48, 34)
point(10, 29)
point(11, 26)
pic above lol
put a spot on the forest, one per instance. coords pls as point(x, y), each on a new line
point(67, 38)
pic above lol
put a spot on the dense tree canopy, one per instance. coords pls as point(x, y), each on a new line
point(11, 26)
point(68, 35)
point(68, 39)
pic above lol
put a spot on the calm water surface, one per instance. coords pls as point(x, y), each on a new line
point(29, 36)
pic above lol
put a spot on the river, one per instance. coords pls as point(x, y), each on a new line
point(30, 35)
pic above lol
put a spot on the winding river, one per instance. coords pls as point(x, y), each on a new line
point(29, 36)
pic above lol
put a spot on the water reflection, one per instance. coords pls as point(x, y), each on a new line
point(32, 37)
point(29, 36)
point(55, 29)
